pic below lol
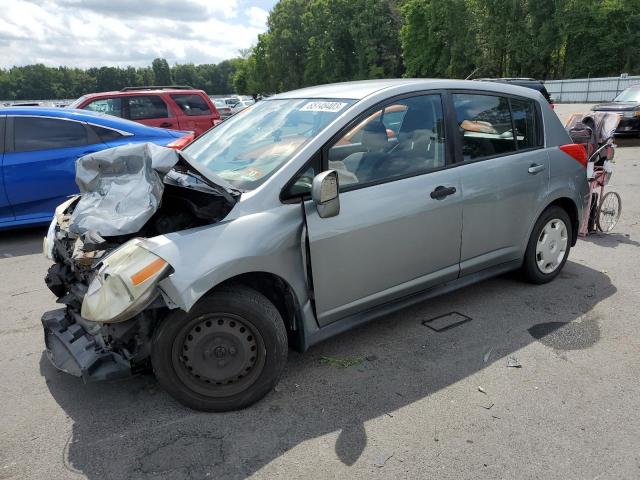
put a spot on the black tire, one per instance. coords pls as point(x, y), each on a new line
point(530, 269)
point(225, 354)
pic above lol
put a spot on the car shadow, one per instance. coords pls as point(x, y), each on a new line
point(19, 242)
point(132, 429)
point(625, 141)
point(611, 239)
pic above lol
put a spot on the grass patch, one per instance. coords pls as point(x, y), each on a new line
point(341, 362)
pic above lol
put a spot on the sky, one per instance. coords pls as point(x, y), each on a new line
point(91, 33)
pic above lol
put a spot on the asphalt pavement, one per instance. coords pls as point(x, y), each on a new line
point(541, 383)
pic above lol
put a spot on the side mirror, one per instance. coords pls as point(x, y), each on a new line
point(324, 193)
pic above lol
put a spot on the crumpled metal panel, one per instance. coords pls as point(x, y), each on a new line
point(121, 188)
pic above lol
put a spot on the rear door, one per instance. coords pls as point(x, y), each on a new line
point(197, 114)
point(504, 176)
point(150, 110)
point(6, 213)
point(391, 237)
point(39, 163)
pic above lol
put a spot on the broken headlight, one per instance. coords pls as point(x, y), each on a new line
point(124, 284)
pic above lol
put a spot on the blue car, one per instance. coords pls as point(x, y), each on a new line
point(39, 148)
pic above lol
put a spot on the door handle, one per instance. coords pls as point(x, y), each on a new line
point(441, 192)
point(166, 124)
point(535, 168)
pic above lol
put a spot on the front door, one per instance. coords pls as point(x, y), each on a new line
point(392, 237)
point(504, 175)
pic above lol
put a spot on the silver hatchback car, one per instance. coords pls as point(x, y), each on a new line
point(309, 213)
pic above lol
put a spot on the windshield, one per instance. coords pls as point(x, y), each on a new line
point(629, 95)
point(77, 102)
point(246, 149)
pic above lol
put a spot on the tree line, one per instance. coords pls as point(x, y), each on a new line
point(310, 42)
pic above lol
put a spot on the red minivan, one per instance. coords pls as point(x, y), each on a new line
point(174, 107)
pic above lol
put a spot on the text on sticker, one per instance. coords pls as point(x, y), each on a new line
point(331, 107)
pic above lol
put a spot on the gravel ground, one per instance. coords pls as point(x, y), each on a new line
point(413, 403)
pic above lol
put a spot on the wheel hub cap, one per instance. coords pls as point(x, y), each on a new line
point(220, 351)
point(551, 246)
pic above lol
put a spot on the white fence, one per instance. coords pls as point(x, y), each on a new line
point(588, 90)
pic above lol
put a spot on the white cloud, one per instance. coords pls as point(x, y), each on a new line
point(88, 33)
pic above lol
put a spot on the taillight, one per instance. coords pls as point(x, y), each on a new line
point(577, 152)
point(180, 143)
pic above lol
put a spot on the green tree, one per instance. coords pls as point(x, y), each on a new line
point(161, 71)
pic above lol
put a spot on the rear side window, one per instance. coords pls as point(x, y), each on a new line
point(484, 125)
point(110, 106)
point(147, 107)
point(192, 104)
point(524, 120)
point(106, 134)
point(32, 133)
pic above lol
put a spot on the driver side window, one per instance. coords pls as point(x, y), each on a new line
point(402, 139)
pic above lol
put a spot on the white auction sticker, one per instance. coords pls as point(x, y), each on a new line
point(331, 107)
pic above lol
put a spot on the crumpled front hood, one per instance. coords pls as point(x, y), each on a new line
point(120, 188)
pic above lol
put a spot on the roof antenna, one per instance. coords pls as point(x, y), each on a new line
point(472, 74)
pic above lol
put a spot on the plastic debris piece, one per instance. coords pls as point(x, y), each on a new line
point(513, 362)
point(482, 390)
point(487, 355)
point(382, 459)
point(488, 406)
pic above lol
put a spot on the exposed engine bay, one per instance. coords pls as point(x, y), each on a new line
point(127, 195)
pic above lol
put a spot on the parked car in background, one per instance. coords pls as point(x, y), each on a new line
point(223, 109)
point(232, 101)
point(39, 148)
point(523, 82)
point(174, 107)
point(241, 105)
point(627, 104)
point(301, 235)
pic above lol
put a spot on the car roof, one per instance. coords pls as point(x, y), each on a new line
point(363, 88)
point(155, 91)
point(96, 118)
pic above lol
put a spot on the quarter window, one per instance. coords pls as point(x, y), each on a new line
point(524, 119)
point(147, 107)
point(402, 139)
point(110, 106)
point(31, 133)
point(192, 105)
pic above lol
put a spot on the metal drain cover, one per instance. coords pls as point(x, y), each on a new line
point(446, 321)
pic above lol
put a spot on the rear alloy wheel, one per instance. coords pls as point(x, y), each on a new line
point(548, 246)
point(225, 354)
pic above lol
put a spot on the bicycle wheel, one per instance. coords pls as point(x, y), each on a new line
point(609, 211)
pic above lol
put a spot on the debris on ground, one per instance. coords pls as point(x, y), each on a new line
point(482, 390)
point(487, 355)
point(371, 358)
point(341, 362)
point(487, 406)
point(382, 459)
point(513, 362)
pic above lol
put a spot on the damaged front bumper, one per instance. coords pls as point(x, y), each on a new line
point(72, 349)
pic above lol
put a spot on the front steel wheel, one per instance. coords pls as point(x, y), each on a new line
point(548, 247)
point(225, 354)
point(609, 211)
